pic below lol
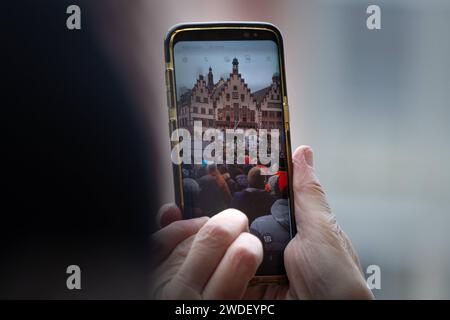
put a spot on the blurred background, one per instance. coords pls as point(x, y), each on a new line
point(374, 106)
point(88, 125)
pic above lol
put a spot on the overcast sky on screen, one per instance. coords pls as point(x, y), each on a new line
point(258, 61)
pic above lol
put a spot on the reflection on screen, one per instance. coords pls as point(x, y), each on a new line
point(235, 85)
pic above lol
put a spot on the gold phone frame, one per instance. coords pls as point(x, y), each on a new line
point(173, 123)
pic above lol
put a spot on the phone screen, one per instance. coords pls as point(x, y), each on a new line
point(229, 111)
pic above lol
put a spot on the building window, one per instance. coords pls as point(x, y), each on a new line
point(197, 99)
point(211, 111)
point(228, 97)
point(234, 87)
point(236, 111)
point(195, 110)
point(205, 100)
point(235, 95)
point(203, 111)
point(252, 116)
point(242, 97)
point(201, 90)
point(264, 114)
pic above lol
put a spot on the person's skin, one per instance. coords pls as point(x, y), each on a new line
point(215, 258)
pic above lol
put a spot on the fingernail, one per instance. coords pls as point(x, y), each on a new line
point(308, 153)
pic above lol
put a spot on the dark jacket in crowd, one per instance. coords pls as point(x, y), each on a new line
point(253, 202)
point(274, 232)
point(211, 199)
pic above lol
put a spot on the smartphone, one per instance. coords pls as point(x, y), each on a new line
point(229, 129)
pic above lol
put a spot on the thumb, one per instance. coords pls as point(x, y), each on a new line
point(313, 215)
point(312, 211)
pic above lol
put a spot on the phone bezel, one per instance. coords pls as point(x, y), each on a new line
point(219, 32)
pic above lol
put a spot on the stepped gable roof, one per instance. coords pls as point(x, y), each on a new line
point(186, 96)
point(218, 88)
point(261, 94)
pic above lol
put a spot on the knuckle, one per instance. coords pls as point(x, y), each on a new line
point(180, 227)
point(216, 233)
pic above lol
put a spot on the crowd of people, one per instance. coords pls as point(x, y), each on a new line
point(210, 189)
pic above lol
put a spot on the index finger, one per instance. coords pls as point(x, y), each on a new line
point(209, 247)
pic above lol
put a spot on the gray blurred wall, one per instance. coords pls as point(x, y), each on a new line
point(374, 105)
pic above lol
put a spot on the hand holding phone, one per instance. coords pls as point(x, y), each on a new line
point(320, 260)
point(229, 128)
